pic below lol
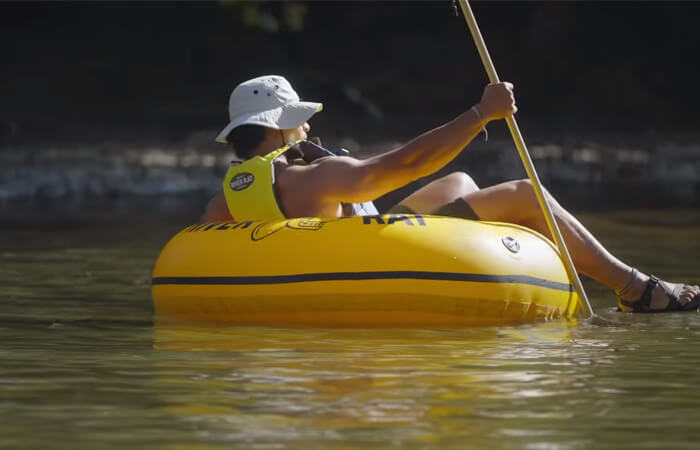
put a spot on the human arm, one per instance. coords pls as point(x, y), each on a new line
point(216, 211)
point(344, 179)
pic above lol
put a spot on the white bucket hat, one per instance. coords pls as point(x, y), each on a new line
point(269, 101)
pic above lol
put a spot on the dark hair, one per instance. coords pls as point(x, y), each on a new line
point(245, 138)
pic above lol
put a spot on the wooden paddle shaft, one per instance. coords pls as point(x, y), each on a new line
point(527, 162)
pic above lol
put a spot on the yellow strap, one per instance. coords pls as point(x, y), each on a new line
point(275, 153)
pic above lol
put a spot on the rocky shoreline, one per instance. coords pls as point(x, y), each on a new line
point(665, 169)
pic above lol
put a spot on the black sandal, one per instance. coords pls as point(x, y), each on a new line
point(643, 304)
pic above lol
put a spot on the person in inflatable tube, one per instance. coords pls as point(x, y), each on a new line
point(283, 175)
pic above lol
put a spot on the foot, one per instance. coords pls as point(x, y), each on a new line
point(649, 294)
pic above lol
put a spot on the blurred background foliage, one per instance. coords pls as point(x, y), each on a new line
point(161, 70)
point(287, 15)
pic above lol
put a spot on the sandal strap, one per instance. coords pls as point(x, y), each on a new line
point(644, 302)
point(674, 304)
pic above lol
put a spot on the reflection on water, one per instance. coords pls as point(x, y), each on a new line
point(84, 367)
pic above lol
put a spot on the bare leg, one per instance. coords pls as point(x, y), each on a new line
point(440, 192)
point(515, 202)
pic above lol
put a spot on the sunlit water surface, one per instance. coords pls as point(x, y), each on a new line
point(83, 366)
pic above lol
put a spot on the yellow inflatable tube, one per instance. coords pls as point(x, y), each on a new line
point(390, 270)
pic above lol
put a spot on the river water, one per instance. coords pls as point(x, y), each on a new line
point(84, 366)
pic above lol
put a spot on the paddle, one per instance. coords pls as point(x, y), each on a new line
point(527, 162)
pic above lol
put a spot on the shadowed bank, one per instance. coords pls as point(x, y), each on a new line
point(117, 99)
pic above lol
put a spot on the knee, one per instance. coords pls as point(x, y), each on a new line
point(461, 183)
point(524, 187)
point(524, 192)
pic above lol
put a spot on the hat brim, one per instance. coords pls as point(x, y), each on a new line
point(285, 117)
